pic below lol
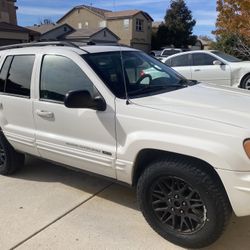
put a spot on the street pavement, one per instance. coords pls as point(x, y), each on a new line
point(45, 206)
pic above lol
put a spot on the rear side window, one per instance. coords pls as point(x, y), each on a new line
point(202, 59)
point(180, 61)
point(4, 72)
point(19, 76)
point(59, 75)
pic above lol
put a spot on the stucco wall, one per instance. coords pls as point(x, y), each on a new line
point(82, 16)
point(56, 33)
point(117, 26)
point(142, 39)
point(104, 36)
point(8, 12)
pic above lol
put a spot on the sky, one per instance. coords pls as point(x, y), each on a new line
point(31, 12)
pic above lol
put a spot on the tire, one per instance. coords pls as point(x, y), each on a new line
point(185, 204)
point(246, 82)
point(10, 160)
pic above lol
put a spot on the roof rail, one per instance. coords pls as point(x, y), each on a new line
point(39, 44)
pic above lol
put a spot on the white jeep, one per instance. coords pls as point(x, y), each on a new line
point(183, 145)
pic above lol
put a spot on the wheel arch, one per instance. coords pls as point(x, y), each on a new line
point(243, 78)
point(146, 156)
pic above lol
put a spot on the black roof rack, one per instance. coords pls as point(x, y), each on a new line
point(39, 44)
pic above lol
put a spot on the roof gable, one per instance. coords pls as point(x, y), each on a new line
point(94, 10)
point(107, 14)
point(46, 28)
point(87, 33)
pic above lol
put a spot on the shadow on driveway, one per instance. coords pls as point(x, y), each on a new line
point(236, 237)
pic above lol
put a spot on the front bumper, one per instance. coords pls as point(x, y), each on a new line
point(237, 185)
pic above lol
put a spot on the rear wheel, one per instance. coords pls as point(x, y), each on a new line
point(182, 203)
point(10, 160)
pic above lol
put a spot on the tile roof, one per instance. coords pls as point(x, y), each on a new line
point(93, 9)
point(120, 14)
point(15, 28)
point(97, 11)
point(43, 28)
point(108, 14)
point(87, 32)
point(84, 32)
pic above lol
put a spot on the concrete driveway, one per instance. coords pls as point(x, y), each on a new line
point(49, 207)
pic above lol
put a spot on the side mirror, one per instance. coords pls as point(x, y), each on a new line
point(192, 82)
point(82, 99)
point(217, 62)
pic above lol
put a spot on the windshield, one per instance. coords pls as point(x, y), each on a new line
point(226, 57)
point(143, 74)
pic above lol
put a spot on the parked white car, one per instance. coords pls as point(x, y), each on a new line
point(212, 67)
point(185, 146)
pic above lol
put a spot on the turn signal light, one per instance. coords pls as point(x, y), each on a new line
point(246, 145)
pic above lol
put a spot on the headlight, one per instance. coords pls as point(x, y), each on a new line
point(246, 145)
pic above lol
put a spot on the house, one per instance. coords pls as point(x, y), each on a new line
point(93, 35)
point(8, 11)
point(133, 27)
point(64, 31)
point(51, 31)
point(10, 32)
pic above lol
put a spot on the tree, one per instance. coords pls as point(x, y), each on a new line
point(179, 24)
point(46, 21)
point(233, 22)
point(233, 18)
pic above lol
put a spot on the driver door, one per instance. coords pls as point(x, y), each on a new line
point(81, 138)
point(204, 70)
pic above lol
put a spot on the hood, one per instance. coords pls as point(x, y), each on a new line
point(205, 101)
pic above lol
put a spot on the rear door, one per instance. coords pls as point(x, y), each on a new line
point(182, 64)
point(204, 70)
point(16, 104)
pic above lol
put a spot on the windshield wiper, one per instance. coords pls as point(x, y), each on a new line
point(156, 88)
point(187, 82)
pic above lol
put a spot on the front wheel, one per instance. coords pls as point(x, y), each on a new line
point(184, 204)
point(246, 82)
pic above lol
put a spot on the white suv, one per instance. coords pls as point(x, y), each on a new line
point(184, 146)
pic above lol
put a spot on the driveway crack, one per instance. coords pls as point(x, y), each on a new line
point(61, 216)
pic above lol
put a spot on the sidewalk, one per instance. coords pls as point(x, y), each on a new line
point(49, 207)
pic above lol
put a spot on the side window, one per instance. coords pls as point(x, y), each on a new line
point(180, 61)
point(59, 75)
point(168, 62)
point(19, 76)
point(202, 59)
point(4, 72)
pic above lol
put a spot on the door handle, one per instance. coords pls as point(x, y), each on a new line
point(197, 70)
point(1, 105)
point(45, 114)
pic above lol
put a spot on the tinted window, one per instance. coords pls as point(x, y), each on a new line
point(19, 77)
point(170, 52)
point(60, 75)
point(200, 59)
point(180, 61)
point(142, 74)
point(226, 57)
point(4, 72)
